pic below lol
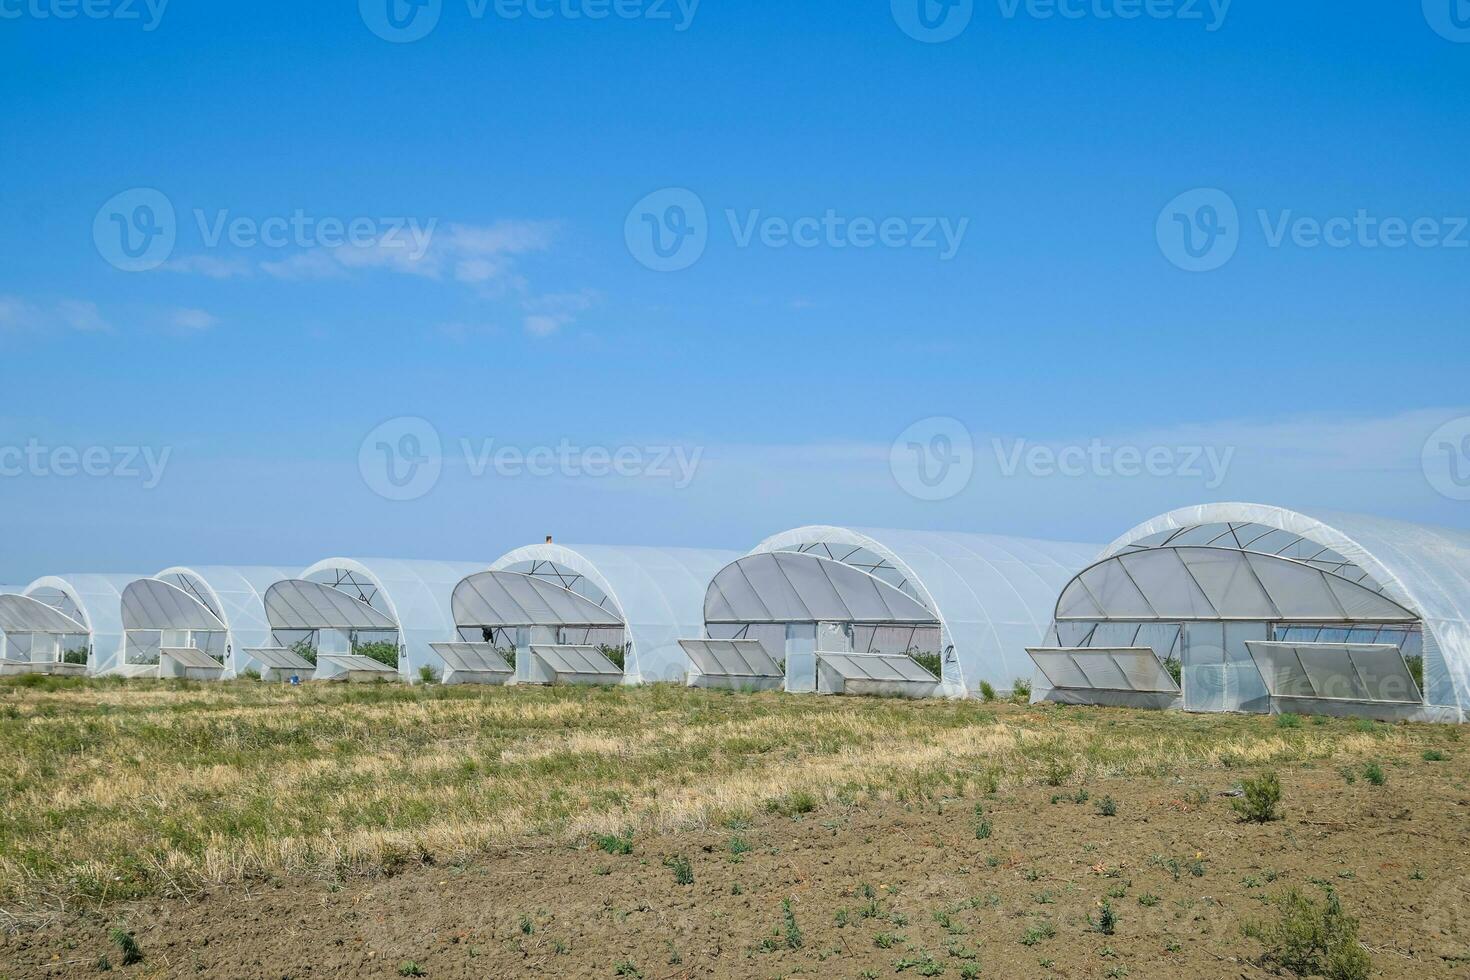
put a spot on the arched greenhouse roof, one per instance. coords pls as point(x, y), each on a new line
point(992, 594)
point(657, 593)
point(1422, 568)
point(791, 587)
point(412, 595)
point(94, 600)
point(509, 599)
point(233, 594)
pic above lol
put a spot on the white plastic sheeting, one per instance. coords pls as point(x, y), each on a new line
point(151, 604)
point(353, 663)
point(22, 614)
point(296, 604)
point(472, 662)
point(993, 595)
point(871, 673)
point(1126, 669)
point(732, 663)
point(501, 599)
point(415, 595)
point(657, 594)
point(566, 664)
point(1424, 569)
point(278, 658)
point(1336, 671)
point(187, 662)
point(235, 594)
point(95, 601)
point(791, 587)
point(1182, 583)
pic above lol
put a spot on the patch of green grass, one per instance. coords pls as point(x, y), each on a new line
point(1311, 937)
point(1107, 807)
point(792, 930)
point(1038, 934)
point(1434, 755)
point(616, 843)
point(1262, 800)
point(1374, 774)
point(1288, 720)
point(408, 968)
point(124, 940)
point(682, 869)
point(793, 804)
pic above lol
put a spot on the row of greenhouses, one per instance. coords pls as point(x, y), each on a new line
point(1217, 607)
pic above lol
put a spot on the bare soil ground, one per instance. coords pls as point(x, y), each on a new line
point(890, 888)
point(241, 830)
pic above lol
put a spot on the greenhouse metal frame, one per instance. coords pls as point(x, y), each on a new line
point(39, 620)
point(336, 598)
point(981, 599)
point(650, 597)
point(1259, 608)
point(171, 608)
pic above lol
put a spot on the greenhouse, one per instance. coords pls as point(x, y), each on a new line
point(361, 619)
point(913, 613)
point(592, 614)
point(180, 615)
point(65, 624)
point(1252, 608)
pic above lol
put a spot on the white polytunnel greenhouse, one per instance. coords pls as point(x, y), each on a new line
point(1254, 608)
point(582, 614)
point(855, 610)
point(360, 619)
point(64, 624)
point(197, 622)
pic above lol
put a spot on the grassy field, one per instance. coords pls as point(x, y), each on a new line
point(112, 791)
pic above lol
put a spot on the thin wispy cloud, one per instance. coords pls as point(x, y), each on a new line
point(474, 255)
point(193, 320)
point(18, 314)
point(550, 312)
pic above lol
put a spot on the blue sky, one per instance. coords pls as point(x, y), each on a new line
point(522, 144)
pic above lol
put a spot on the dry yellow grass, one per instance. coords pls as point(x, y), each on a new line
point(110, 791)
